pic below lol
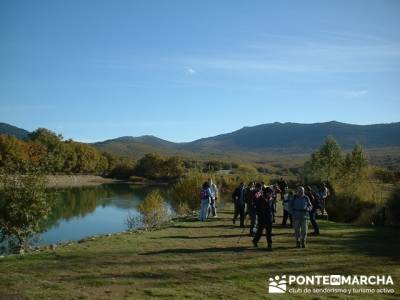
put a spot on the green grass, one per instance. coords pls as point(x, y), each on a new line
point(194, 260)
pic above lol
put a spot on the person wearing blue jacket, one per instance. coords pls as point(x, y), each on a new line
point(205, 199)
point(299, 208)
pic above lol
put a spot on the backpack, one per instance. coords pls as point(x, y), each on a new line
point(203, 194)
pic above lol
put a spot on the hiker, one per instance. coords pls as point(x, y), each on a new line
point(239, 199)
point(323, 195)
point(214, 198)
point(299, 207)
point(314, 199)
point(286, 214)
point(205, 198)
point(283, 186)
point(264, 209)
point(251, 209)
point(275, 191)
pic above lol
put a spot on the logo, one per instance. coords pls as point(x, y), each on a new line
point(277, 285)
point(331, 284)
point(335, 280)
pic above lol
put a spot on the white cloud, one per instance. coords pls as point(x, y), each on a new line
point(355, 93)
point(322, 53)
point(349, 93)
point(190, 71)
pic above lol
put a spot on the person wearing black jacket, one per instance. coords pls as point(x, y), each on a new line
point(283, 186)
point(239, 200)
point(314, 199)
point(264, 208)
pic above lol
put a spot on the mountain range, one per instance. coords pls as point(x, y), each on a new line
point(273, 138)
point(290, 138)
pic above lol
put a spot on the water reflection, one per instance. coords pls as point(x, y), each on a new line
point(86, 211)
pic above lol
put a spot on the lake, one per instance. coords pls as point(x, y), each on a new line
point(86, 211)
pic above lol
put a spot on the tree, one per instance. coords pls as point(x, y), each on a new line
point(355, 166)
point(23, 206)
point(187, 190)
point(87, 159)
point(326, 163)
point(112, 161)
point(173, 167)
point(53, 161)
point(13, 155)
point(150, 166)
point(70, 157)
point(46, 137)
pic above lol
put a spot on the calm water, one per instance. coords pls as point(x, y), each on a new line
point(87, 211)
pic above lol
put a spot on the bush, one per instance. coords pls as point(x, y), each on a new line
point(187, 190)
point(182, 209)
point(154, 166)
point(153, 210)
point(247, 169)
point(393, 207)
point(385, 175)
point(372, 216)
point(122, 171)
point(346, 207)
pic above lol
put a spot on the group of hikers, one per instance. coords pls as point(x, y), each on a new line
point(259, 202)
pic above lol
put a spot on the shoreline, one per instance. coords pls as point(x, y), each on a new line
point(63, 181)
point(59, 181)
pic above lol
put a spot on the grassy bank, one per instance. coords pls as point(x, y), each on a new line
point(189, 259)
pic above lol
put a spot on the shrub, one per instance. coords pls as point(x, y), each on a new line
point(372, 216)
point(385, 175)
point(121, 171)
point(187, 190)
point(247, 169)
point(393, 207)
point(182, 209)
point(153, 210)
point(346, 207)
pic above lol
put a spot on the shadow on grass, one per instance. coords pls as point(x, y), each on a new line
point(186, 237)
point(376, 242)
point(203, 226)
point(194, 251)
point(187, 220)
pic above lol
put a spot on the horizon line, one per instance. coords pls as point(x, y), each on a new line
point(184, 142)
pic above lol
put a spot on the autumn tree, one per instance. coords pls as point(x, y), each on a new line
point(326, 163)
point(13, 155)
point(23, 206)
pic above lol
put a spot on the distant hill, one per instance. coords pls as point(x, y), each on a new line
point(274, 142)
point(138, 146)
point(12, 130)
point(301, 138)
point(272, 138)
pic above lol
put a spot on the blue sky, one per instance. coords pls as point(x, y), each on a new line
point(182, 70)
